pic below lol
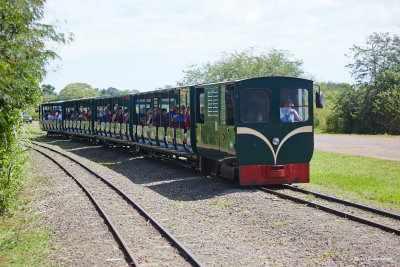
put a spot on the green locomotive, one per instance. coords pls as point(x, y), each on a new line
point(257, 131)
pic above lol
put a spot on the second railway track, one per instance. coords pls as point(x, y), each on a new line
point(376, 219)
point(141, 242)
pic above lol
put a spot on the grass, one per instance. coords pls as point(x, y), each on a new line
point(33, 130)
point(278, 224)
point(330, 254)
point(224, 203)
point(364, 179)
point(22, 241)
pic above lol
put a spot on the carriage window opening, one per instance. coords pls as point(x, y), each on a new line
point(199, 107)
point(202, 108)
point(254, 105)
point(294, 105)
point(230, 102)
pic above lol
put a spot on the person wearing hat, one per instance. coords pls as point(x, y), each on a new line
point(288, 114)
point(149, 117)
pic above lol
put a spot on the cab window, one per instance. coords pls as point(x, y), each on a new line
point(293, 105)
point(254, 105)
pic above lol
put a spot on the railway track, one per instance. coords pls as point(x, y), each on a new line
point(338, 212)
point(132, 259)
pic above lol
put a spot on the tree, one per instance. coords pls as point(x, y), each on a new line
point(23, 52)
point(48, 89)
point(128, 92)
point(381, 53)
point(387, 102)
point(241, 65)
point(23, 57)
point(77, 90)
point(111, 91)
point(372, 106)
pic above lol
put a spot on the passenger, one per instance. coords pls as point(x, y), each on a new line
point(149, 121)
point(187, 120)
point(126, 116)
point(172, 112)
point(84, 116)
point(288, 114)
point(187, 125)
point(157, 117)
point(76, 115)
point(59, 117)
point(49, 116)
point(89, 115)
point(105, 117)
point(183, 117)
point(164, 117)
point(149, 118)
point(118, 117)
point(142, 119)
point(45, 114)
point(100, 116)
point(260, 117)
point(175, 117)
point(109, 116)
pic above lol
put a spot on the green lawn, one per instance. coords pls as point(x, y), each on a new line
point(33, 130)
point(369, 180)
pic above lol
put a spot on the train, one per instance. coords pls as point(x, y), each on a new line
point(256, 131)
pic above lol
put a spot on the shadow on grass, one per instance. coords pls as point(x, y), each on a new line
point(165, 177)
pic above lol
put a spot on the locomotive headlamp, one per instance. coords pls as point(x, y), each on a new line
point(275, 141)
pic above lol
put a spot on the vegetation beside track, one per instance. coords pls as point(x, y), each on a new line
point(23, 59)
point(364, 179)
point(22, 241)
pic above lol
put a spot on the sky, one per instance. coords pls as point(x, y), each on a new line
point(143, 45)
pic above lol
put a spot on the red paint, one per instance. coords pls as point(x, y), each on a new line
point(274, 174)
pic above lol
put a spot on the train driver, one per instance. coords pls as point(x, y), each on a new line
point(288, 114)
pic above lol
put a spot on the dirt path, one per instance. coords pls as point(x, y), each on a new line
point(369, 146)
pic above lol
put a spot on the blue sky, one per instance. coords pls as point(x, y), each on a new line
point(138, 44)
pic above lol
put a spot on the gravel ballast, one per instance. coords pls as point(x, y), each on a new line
point(219, 222)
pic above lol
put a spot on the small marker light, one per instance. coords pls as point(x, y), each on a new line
point(275, 141)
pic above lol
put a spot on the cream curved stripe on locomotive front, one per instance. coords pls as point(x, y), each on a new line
point(246, 130)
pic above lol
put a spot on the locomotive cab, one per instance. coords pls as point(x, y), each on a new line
point(274, 130)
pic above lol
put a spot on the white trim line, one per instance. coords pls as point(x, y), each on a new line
point(246, 130)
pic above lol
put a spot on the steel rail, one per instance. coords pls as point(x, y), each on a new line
point(345, 202)
point(119, 238)
point(333, 211)
point(190, 256)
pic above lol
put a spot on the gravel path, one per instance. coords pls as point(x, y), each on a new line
point(391, 222)
point(367, 146)
point(225, 225)
point(81, 238)
point(148, 246)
